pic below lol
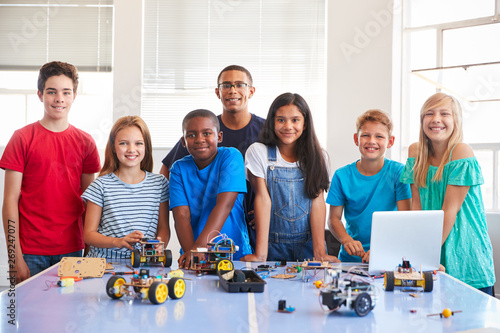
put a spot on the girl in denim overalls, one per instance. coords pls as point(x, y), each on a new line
point(288, 172)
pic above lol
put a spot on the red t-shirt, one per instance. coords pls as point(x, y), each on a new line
point(50, 206)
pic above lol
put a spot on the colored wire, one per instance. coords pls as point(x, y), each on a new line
point(50, 284)
point(208, 236)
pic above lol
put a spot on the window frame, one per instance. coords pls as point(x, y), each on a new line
point(407, 72)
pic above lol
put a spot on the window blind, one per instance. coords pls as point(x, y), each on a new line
point(35, 32)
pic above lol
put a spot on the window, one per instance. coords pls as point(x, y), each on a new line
point(454, 47)
point(35, 32)
point(187, 44)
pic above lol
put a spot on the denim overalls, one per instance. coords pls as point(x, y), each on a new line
point(290, 229)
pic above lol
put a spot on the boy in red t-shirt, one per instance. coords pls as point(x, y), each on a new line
point(48, 164)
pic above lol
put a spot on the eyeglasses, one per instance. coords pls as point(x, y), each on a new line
point(238, 86)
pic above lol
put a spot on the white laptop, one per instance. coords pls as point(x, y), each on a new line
point(415, 235)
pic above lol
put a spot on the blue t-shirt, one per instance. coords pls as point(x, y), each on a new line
point(362, 195)
point(240, 139)
point(198, 189)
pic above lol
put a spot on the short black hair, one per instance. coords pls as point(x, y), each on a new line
point(201, 113)
point(236, 68)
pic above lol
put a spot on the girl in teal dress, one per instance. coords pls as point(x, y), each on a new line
point(444, 174)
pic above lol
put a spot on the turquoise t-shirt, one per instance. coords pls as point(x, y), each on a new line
point(362, 195)
point(466, 254)
point(198, 189)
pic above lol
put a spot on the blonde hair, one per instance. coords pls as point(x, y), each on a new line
point(425, 148)
point(111, 162)
point(376, 116)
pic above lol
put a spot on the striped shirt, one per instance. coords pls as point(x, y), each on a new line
point(126, 208)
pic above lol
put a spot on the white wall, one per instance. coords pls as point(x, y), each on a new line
point(127, 58)
point(359, 62)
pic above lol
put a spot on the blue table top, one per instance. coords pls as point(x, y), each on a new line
point(38, 305)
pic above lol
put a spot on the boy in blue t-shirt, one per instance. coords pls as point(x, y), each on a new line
point(365, 186)
point(240, 128)
point(207, 188)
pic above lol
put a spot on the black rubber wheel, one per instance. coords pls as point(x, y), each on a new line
point(168, 258)
point(113, 282)
point(136, 258)
point(329, 299)
point(158, 292)
point(428, 282)
point(176, 288)
point(223, 266)
point(389, 281)
point(363, 304)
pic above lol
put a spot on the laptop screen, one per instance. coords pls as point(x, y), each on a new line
point(414, 235)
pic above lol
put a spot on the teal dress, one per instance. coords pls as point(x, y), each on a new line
point(466, 254)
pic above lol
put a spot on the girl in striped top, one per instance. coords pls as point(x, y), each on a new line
point(126, 202)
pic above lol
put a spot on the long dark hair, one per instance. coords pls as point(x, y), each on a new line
point(310, 155)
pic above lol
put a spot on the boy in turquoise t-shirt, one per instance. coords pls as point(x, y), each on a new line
point(207, 188)
point(365, 186)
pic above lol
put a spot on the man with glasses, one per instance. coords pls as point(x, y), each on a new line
point(239, 127)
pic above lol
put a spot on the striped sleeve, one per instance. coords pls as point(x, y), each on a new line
point(95, 192)
point(165, 195)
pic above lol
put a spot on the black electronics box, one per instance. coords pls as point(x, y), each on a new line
point(253, 283)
